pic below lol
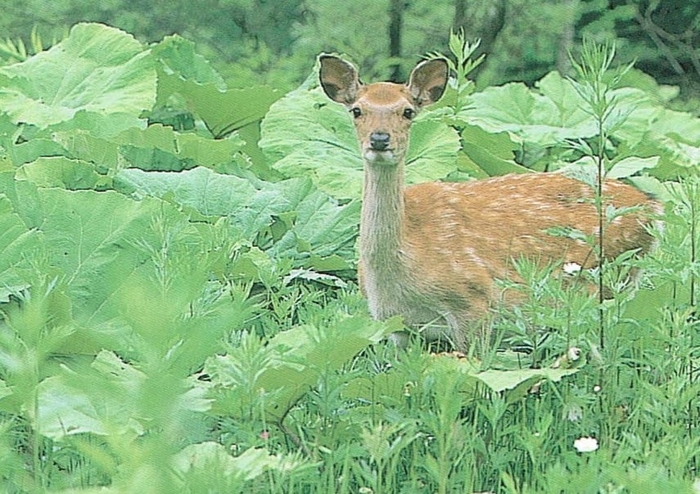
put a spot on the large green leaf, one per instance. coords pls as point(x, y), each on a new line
point(432, 151)
point(672, 136)
point(104, 399)
point(227, 111)
point(316, 224)
point(554, 112)
point(62, 172)
point(97, 69)
point(102, 404)
point(26, 152)
point(492, 152)
point(183, 150)
point(16, 243)
point(305, 134)
point(92, 240)
point(199, 189)
point(108, 253)
point(154, 148)
point(502, 380)
point(100, 125)
point(569, 106)
point(178, 56)
point(89, 235)
point(186, 78)
point(545, 120)
point(321, 226)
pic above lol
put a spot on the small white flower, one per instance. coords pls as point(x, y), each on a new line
point(596, 389)
point(568, 360)
point(586, 444)
point(571, 268)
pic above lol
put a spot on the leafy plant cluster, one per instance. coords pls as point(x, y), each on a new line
point(179, 311)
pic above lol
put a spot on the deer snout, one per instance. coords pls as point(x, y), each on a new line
point(379, 141)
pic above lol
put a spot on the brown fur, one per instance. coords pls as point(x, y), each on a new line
point(433, 250)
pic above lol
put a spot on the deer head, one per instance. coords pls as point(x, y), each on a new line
point(383, 111)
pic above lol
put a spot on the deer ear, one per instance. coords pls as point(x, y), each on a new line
point(339, 79)
point(428, 81)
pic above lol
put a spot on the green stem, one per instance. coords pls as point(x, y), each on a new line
point(601, 227)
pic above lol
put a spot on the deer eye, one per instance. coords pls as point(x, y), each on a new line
point(356, 112)
point(409, 113)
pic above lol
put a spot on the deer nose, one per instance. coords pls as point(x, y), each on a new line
point(379, 141)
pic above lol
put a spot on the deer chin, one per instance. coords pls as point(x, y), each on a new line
point(382, 158)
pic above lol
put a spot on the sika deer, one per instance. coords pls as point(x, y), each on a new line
point(433, 250)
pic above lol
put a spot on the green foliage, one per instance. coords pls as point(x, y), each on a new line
point(275, 375)
point(256, 41)
point(136, 276)
point(186, 77)
point(179, 312)
point(103, 71)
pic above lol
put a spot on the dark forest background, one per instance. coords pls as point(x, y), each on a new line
point(276, 41)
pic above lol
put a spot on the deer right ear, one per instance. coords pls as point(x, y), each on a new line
point(339, 79)
point(428, 81)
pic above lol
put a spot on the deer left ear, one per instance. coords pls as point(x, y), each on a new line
point(339, 79)
point(428, 81)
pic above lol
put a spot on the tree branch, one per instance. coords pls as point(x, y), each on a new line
point(660, 37)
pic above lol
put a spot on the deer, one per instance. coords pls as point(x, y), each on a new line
point(434, 251)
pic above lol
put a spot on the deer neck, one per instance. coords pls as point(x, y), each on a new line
point(382, 218)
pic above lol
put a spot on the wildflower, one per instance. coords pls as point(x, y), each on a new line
point(586, 444)
point(571, 268)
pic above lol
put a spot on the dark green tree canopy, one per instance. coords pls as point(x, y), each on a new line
point(277, 41)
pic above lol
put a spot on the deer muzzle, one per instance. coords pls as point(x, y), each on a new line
point(379, 141)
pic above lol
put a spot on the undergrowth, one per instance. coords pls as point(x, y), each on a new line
point(181, 316)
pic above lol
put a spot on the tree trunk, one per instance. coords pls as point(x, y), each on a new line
point(566, 38)
point(396, 9)
point(492, 25)
point(460, 15)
